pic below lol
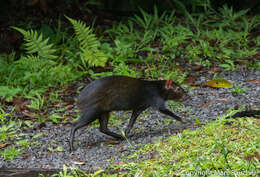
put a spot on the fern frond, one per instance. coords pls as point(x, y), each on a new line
point(36, 44)
point(96, 58)
point(33, 63)
point(89, 44)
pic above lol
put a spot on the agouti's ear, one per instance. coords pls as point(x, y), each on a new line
point(168, 83)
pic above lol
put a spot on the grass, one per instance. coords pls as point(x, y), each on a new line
point(215, 147)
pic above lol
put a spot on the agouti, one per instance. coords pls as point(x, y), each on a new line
point(115, 93)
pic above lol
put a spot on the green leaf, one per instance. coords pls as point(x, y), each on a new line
point(218, 83)
point(89, 44)
point(36, 44)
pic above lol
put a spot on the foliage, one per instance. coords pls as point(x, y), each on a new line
point(8, 133)
point(218, 83)
point(72, 172)
point(89, 44)
point(129, 41)
point(10, 153)
point(238, 90)
point(215, 36)
point(38, 70)
point(36, 44)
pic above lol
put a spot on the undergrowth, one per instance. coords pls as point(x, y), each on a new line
point(153, 41)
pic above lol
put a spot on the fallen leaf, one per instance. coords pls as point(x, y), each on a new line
point(254, 81)
point(91, 144)
point(197, 67)
point(176, 131)
point(17, 101)
point(218, 83)
point(2, 145)
point(180, 68)
point(66, 103)
point(20, 104)
point(214, 70)
point(28, 114)
point(43, 154)
point(190, 80)
point(207, 104)
point(68, 107)
point(78, 162)
point(26, 156)
point(112, 142)
point(57, 105)
point(221, 99)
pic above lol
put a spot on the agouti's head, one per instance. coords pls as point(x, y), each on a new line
point(175, 92)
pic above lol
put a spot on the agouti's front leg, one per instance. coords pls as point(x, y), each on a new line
point(166, 111)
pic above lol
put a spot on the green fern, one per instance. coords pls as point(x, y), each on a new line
point(36, 44)
point(33, 63)
point(96, 58)
point(89, 44)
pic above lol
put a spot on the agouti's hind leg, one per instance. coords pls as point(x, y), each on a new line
point(103, 120)
point(130, 125)
point(86, 119)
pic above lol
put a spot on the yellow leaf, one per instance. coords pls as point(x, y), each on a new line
point(218, 83)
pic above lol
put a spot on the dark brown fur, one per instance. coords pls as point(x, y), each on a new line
point(116, 93)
